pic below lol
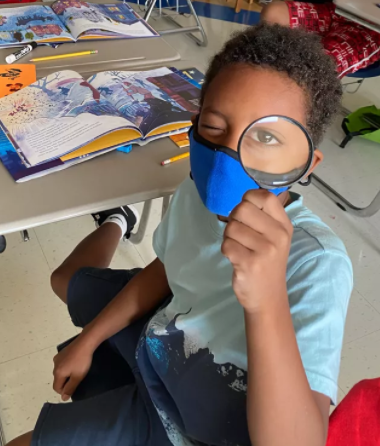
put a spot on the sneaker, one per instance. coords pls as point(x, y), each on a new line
point(129, 213)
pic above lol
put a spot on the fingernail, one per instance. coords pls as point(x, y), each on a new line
point(65, 397)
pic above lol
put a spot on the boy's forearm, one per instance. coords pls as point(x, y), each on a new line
point(281, 408)
point(143, 293)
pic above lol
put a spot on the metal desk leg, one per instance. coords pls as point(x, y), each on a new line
point(179, 28)
point(139, 235)
point(25, 235)
point(165, 205)
point(344, 204)
point(2, 437)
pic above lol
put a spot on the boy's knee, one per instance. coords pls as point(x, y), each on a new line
point(276, 12)
point(59, 280)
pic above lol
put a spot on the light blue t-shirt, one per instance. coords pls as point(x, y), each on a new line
point(193, 357)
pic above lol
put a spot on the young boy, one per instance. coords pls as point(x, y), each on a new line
point(232, 335)
point(352, 46)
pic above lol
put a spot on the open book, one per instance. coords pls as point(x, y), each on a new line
point(62, 119)
point(69, 21)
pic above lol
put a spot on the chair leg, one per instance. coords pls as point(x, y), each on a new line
point(3, 244)
point(359, 83)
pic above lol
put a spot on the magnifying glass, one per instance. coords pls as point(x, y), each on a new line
point(276, 151)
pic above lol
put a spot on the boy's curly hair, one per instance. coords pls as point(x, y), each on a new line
point(295, 52)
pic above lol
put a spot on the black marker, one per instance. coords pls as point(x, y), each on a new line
point(21, 53)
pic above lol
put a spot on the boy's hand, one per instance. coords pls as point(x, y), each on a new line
point(257, 242)
point(71, 365)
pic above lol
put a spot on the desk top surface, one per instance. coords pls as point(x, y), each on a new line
point(104, 182)
point(118, 54)
point(364, 9)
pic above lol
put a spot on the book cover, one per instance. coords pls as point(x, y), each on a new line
point(192, 75)
point(181, 140)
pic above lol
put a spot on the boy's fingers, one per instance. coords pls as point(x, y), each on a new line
point(269, 203)
point(234, 251)
point(70, 388)
point(244, 235)
point(59, 383)
point(253, 217)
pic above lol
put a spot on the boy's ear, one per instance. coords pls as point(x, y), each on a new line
point(318, 158)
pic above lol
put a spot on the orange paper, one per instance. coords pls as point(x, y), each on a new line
point(15, 77)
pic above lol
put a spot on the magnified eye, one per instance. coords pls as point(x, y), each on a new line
point(265, 137)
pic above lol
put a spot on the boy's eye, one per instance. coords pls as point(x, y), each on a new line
point(210, 127)
point(265, 137)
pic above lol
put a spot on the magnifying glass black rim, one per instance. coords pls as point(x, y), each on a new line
point(309, 140)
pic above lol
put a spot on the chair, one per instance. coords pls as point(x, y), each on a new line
point(363, 74)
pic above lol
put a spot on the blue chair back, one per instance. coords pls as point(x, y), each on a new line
point(366, 73)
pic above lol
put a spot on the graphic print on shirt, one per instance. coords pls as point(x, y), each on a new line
point(203, 398)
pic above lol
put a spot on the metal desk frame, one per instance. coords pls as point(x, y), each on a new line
point(198, 28)
point(138, 236)
point(343, 203)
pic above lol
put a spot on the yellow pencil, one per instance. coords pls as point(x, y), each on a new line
point(64, 56)
point(176, 158)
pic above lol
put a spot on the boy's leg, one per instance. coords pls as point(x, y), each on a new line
point(24, 440)
point(276, 12)
point(313, 17)
point(96, 250)
point(121, 417)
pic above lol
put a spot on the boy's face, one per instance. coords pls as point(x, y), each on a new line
point(241, 94)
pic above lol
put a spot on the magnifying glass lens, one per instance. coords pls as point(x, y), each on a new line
point(275, 151)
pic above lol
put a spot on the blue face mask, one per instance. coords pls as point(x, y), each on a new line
point(219, 177)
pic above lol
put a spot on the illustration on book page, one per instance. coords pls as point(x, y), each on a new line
point(56, 115)
point(150, 99)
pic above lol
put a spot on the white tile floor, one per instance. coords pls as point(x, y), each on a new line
point(33, 322)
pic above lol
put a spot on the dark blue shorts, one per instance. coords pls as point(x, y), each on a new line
point(111, 406)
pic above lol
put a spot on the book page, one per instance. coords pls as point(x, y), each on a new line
point(150, 99)
point(56, 115)
point(93, 19)
point(34, 23)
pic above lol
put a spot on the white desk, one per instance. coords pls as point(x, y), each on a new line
point(104, 182)
point(364, 12)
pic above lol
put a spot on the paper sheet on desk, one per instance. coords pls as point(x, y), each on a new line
point(15, 77)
